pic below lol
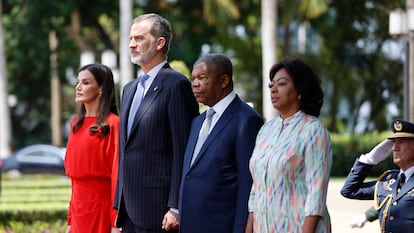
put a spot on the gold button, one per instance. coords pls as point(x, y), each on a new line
point(391, 218)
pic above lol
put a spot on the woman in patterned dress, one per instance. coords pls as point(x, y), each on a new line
point(91, 160)
point(292, 159)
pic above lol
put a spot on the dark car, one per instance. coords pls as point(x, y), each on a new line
point(39, 158)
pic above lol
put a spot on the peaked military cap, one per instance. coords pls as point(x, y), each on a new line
point(402, 129)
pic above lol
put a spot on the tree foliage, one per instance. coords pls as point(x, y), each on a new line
point(346, 41)
point(352, 60)
point(27, 25)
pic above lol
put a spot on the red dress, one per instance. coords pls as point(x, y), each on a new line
point(91, 162)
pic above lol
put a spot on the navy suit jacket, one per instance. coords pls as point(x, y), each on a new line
point(150, 159)
point(215, 189)
point(394, 208)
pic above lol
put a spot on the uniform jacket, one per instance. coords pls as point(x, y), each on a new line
point(394, 209)
point(150, 159)
point(215, 188)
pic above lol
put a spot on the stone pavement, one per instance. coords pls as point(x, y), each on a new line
point(342, 210)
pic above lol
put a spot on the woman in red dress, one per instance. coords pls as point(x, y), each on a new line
point(91, 160)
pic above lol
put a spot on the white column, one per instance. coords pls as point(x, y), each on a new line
point(269, 52)
point(5, 121)
point(125, 65)
point(410, 17)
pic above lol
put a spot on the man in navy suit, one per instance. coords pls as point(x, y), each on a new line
point(216, 181)
point(393, 192)
point(156, 113)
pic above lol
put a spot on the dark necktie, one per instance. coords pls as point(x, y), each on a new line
point(401, 181)
point(139, 95)
point(205, 129)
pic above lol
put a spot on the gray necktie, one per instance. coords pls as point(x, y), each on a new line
point(203, 133)
point(139, 95)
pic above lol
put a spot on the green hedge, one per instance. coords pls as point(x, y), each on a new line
point(34, 203)
point(38, 203)
point(346, 148)
point(32, 216)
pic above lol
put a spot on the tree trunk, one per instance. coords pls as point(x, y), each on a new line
point(55, 92)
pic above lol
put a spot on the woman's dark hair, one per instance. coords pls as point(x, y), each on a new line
point(107, 104)
point(306, 81)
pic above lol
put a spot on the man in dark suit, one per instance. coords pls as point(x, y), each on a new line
point(393, 192)
point(156, 113)
point(216, 181)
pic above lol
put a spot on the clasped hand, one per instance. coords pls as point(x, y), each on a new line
point(170, 221)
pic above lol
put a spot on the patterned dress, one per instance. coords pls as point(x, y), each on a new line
point(91, 162)
point(290, 167)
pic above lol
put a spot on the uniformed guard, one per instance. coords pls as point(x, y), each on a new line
point(393, 191)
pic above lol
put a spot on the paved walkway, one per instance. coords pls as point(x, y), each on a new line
point(342, 210)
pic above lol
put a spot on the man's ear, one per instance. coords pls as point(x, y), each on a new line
point(160, 43)
point(224, 80)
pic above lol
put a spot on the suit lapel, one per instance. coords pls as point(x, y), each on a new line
point(220, 125)
point(151, 95)
point(149, 98)
point(192, 139)
point(128, 96)
point(407, 187)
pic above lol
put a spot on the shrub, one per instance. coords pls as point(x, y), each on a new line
point(347, 148)
point(34, 204)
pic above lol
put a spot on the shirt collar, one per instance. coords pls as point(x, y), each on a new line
point(152, 74)
point(221, 106)
point(408, 173)
point(154, 71)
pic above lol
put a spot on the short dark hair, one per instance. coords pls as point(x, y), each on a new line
point(306, 81)
point(218, 63)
